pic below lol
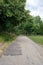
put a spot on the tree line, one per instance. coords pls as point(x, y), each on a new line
point(15, 19)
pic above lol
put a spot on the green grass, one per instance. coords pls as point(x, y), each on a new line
point(6, 37)
point(37, 39)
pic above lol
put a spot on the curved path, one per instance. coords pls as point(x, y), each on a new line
point(22, 52)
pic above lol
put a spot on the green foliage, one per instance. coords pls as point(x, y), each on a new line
point(14, 18)
point(5, 37)
point(11, 13)
point(36, 25)
point(41, 28)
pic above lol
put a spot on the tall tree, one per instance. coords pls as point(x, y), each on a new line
point(36, 24)
point(11, 13)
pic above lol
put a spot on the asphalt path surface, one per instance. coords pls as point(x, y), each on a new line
point(22, 52)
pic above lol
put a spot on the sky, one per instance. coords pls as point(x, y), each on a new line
point(35, 6)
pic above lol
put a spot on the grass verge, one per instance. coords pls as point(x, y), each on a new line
point(37, 39)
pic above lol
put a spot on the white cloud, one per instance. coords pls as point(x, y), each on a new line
point(35, 6)
point(32, 2)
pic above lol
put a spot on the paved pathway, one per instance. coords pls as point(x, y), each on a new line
point(22, 52)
